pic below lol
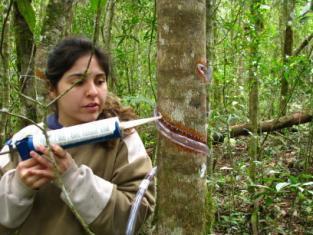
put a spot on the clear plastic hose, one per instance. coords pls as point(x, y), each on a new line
point(131, 224)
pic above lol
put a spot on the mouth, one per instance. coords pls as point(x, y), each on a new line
point(91, 107)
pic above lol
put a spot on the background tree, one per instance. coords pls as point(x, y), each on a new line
point(4, 70)
point(255, 27)
point(25, 52)
point(287, 14)
point(282, 189)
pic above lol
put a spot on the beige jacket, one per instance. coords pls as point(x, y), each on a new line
point(102, 187)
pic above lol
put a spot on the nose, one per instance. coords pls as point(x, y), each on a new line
point(91, 89)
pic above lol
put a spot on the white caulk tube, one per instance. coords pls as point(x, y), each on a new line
point(92, 132)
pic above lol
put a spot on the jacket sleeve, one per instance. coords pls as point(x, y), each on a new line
point(16, 199)
point(105, 205)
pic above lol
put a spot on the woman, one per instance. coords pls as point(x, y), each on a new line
point(101, 179)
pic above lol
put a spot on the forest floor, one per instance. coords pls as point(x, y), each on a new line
point(283, 190)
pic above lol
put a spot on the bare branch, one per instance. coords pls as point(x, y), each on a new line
point(73, 85)
point(5, 111)
point(305, 42)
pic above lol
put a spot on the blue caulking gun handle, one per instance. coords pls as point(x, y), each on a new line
point(28, 144)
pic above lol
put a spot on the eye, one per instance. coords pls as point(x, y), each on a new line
point(100, 80)
point(78, 80)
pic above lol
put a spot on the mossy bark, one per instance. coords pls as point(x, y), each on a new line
point(4, 79)
point(25, 50)
point(287, 9)
point(182, 99)
point(215, 94)
point(253, 82)
point(54, 28)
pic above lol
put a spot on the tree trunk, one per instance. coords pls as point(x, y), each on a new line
point(4, 74)
point(210, 29)
point(25, 49)
point(181, 192)
point(266, 126)
point(97, 25)
point(287, 44)
point(58, 13)
point(109, 13)
point(254, 29)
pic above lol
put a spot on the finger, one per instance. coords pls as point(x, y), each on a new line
point(42, 149)
point(27, 163)
point(59, 151)
point(40, 159)
point(30, 179)
point(40, 182)
point(46, 173)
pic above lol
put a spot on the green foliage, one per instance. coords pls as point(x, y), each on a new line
point(284, 178)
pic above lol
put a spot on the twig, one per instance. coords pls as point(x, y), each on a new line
point(22, 117)
point(61, 184)
point(74, 84)
point(30, 99)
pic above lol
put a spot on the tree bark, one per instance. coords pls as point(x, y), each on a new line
point(58, 13)
point(253, 82)
point(109, 13)
point(25, 48)
point(4, 75)
point(210, 35)
point(287, 44)
point(181, 191)
point(53, 29)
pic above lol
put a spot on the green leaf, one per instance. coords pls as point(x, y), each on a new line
point(280, 186)
point(27, 11)
point(307, 183)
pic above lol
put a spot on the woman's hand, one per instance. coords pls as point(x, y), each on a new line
point(39, 170)
point(26, 171)
point(62, 158)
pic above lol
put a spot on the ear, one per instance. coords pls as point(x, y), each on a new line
point(52, 93)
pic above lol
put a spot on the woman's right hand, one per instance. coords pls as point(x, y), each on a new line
point(26, 171)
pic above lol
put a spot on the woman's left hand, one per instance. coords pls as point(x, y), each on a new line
point(62, 158)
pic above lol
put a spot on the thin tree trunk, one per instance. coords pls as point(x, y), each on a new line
point(97, 25)
point(182, 102)
point(210, 29)
point(109, 14)
point(287, 44)
point(25, 48)
point(4, 74)
point(255, 25)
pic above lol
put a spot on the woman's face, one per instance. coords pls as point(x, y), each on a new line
point(85, 101)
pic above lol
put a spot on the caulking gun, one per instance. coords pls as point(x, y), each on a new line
point(91, 132)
